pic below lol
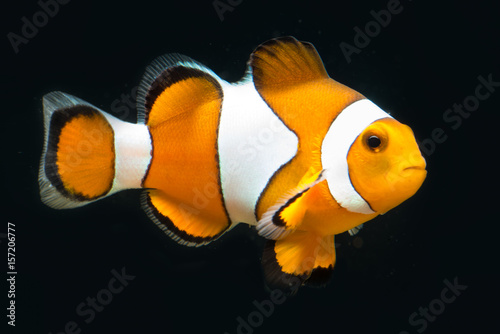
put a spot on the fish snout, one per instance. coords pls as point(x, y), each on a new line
point(413, 162)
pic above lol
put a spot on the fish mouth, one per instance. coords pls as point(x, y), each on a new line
point(414, 168)
point(414, 171)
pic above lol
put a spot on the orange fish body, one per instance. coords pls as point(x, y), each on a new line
point(287, 149)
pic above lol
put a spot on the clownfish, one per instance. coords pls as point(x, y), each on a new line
point(286, 149)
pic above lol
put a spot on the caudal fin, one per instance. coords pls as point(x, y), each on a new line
point(88, 154)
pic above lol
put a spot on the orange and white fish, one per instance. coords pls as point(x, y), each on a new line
point(287, 149)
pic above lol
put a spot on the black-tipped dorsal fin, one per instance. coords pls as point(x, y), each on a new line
point(289, 75)
point(285, 61)
point(173, 84)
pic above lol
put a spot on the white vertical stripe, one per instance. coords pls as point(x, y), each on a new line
point(342, 133)
point(132, 153)
point(253, 144)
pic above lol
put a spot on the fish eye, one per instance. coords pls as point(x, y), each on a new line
point(373, 142)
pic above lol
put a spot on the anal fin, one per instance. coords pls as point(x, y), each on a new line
point(324, 263)
point(300, 258)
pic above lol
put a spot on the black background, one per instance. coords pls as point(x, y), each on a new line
point(428, 58)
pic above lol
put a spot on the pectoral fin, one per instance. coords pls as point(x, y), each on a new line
point(355, 230)
point(286, 215)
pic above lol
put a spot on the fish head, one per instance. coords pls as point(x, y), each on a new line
point(385, 164)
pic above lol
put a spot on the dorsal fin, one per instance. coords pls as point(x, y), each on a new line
point(170, 83)
point(285, 61)
point(289, 75)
